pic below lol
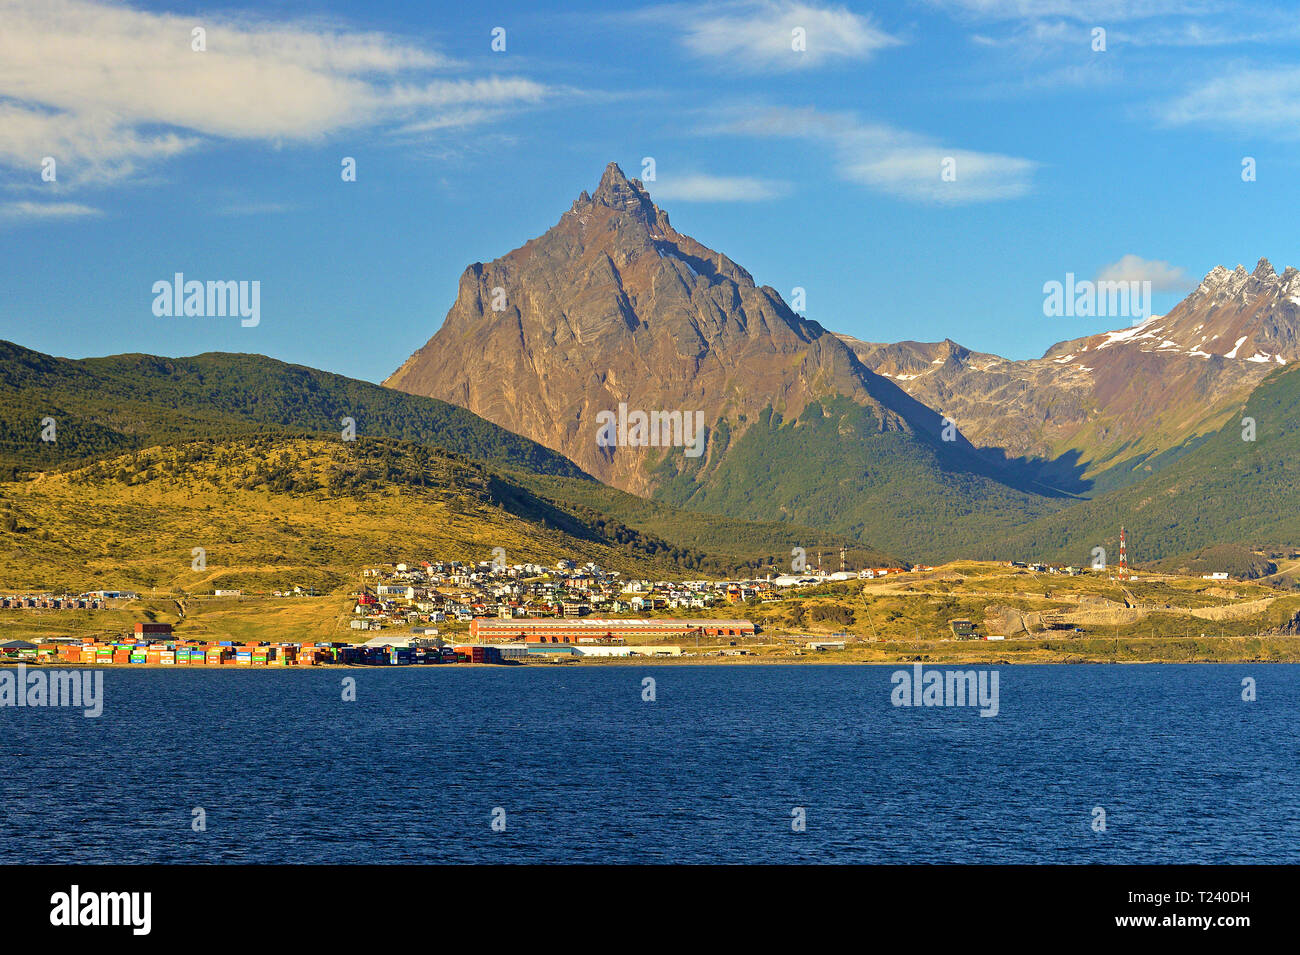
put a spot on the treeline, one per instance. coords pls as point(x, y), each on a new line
point(104, 406)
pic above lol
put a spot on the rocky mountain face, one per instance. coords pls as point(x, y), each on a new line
point(613, 315)
point(613, 306)
point(660, 367)
point(1113, 407)
point(1020, 407)
point(1251, 317)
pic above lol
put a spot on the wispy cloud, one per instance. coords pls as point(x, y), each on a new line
point(705, 188)
point(1261, 101)
point(105, 88)
point(1133, 268)
point(47, 210)
point(1081, 10)
point(766, 35)
point(1034, 28)
point(897, 162)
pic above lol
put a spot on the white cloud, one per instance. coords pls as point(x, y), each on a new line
point(753, 35)
point(1259, 101)
point(915, 173)
point(897, 162)
point(1081, 10)
point(84, 146)
point(103, 87)
point(47, 210)
point(1132, 268)
point(1043, 36)
point(706, 188)
point(1032, 29)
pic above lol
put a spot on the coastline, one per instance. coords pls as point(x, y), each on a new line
point(1167, 650)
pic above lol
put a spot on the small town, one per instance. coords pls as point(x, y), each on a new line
point(492, 612)
point(434, 592)
point(517, 613)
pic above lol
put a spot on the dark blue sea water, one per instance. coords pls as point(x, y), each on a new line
point(585, 771)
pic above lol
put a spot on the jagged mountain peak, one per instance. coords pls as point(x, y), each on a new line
point(612, 305)
point(616, 191)
point(616, 188)
point(1221, 282)
point(1233, 315)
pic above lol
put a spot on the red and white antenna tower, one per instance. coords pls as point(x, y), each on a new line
point(1123, 554)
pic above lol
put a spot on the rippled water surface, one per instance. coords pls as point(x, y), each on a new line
point(711, 771)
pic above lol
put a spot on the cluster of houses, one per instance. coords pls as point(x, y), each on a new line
point(91, 601)
point(1045, 568)
point(1076, 571)
point(431, 592)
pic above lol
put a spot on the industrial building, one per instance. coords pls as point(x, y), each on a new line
point(597, 630)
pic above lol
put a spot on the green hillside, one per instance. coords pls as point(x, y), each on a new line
point(134, 420)
point(1232, 559)
point(830, 478)
point(835, 467)
point(1227, 491)
point(758, 546)
point(124, 402)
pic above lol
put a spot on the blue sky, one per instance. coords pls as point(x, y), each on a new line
point(817, 168)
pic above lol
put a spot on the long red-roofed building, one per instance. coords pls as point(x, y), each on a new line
point(572, 631)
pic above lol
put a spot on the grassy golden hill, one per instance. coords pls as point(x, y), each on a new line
point(1018, 603)
point(1157, 618)
point(271, 513)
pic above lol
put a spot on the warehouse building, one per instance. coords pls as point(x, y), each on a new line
point(598, 630)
